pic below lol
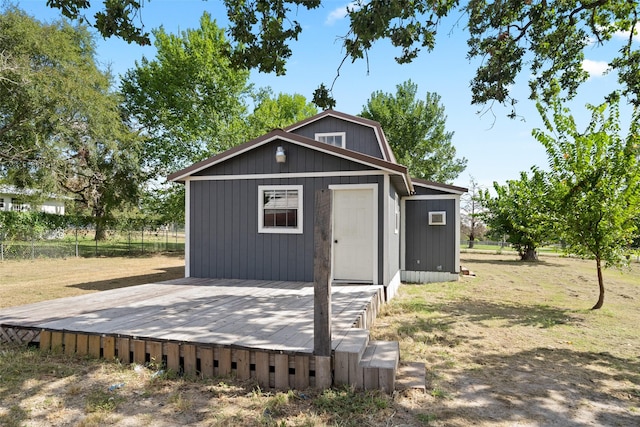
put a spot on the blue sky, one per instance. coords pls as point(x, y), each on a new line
point(497, 148)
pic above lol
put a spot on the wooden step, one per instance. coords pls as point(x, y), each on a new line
point(379, 365)
point(347, 356)
point(411, 376)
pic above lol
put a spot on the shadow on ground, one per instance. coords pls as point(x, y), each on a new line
point(542, 386)
point(133, 280)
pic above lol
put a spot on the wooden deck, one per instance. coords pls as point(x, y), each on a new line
point(205, 327)
point(275, 316)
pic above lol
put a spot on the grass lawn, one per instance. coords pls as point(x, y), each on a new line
point(516, 345)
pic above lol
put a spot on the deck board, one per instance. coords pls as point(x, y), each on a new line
point(269, 315)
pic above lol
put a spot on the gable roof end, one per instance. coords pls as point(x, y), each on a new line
point(279, 134)
point(377, 128)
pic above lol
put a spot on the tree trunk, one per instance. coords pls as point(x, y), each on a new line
point(529, 254)
point(471, 241)
point(101, 231)
point(600, 285)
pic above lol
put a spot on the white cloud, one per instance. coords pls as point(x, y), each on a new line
point(624, 35)
point(595, 68)
point(339, 13)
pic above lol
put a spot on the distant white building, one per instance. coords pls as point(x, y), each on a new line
point(14, 199)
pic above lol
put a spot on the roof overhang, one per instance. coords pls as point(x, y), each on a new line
point(438, 186)
point(396, 171)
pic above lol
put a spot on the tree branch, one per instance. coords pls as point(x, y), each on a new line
point(582, 7)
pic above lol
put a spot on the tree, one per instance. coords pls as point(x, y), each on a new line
point(61, 128)
point(471, 207)
point(595, 180)
point(277, 112)
point(416, 132)
point(548, 36)
point(188, 103)
point(521, 210)
point(105, 175)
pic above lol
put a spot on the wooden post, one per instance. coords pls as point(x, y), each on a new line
point(322, 235)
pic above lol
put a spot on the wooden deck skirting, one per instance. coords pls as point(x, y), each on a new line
point(269, 369)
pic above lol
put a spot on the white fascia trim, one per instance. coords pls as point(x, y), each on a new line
point(187, 228)
point(433, 197)
point(283, 175)
point(380, 138)
point(435, 187)
point(374, 188)
point(222, 159)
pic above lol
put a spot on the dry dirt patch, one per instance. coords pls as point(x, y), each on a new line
point(518, 345)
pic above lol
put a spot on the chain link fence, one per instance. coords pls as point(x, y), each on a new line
point(80, 242)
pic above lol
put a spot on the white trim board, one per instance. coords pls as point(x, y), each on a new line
point(283, 175)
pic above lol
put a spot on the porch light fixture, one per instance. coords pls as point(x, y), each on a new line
point(281, 157)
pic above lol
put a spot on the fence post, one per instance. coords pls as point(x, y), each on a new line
point(77, 251)
point(33, 248)
point(1, 251)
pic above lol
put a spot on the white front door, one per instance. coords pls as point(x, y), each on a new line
point(354, 234)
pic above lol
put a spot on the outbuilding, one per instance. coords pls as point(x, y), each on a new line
point(250, 210)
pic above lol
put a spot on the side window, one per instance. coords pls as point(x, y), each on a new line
point(1, 203)
point(438, 218)
point(280, 209)
point(333, 138)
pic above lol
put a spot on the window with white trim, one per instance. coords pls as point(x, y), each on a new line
point(280, 209)
point(438, 218)
point(332, 138)
point(1, 203)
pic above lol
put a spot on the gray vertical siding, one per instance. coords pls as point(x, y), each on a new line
point(225, 242)
point(359, 138)
point(261, 160)
point(429, 246)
